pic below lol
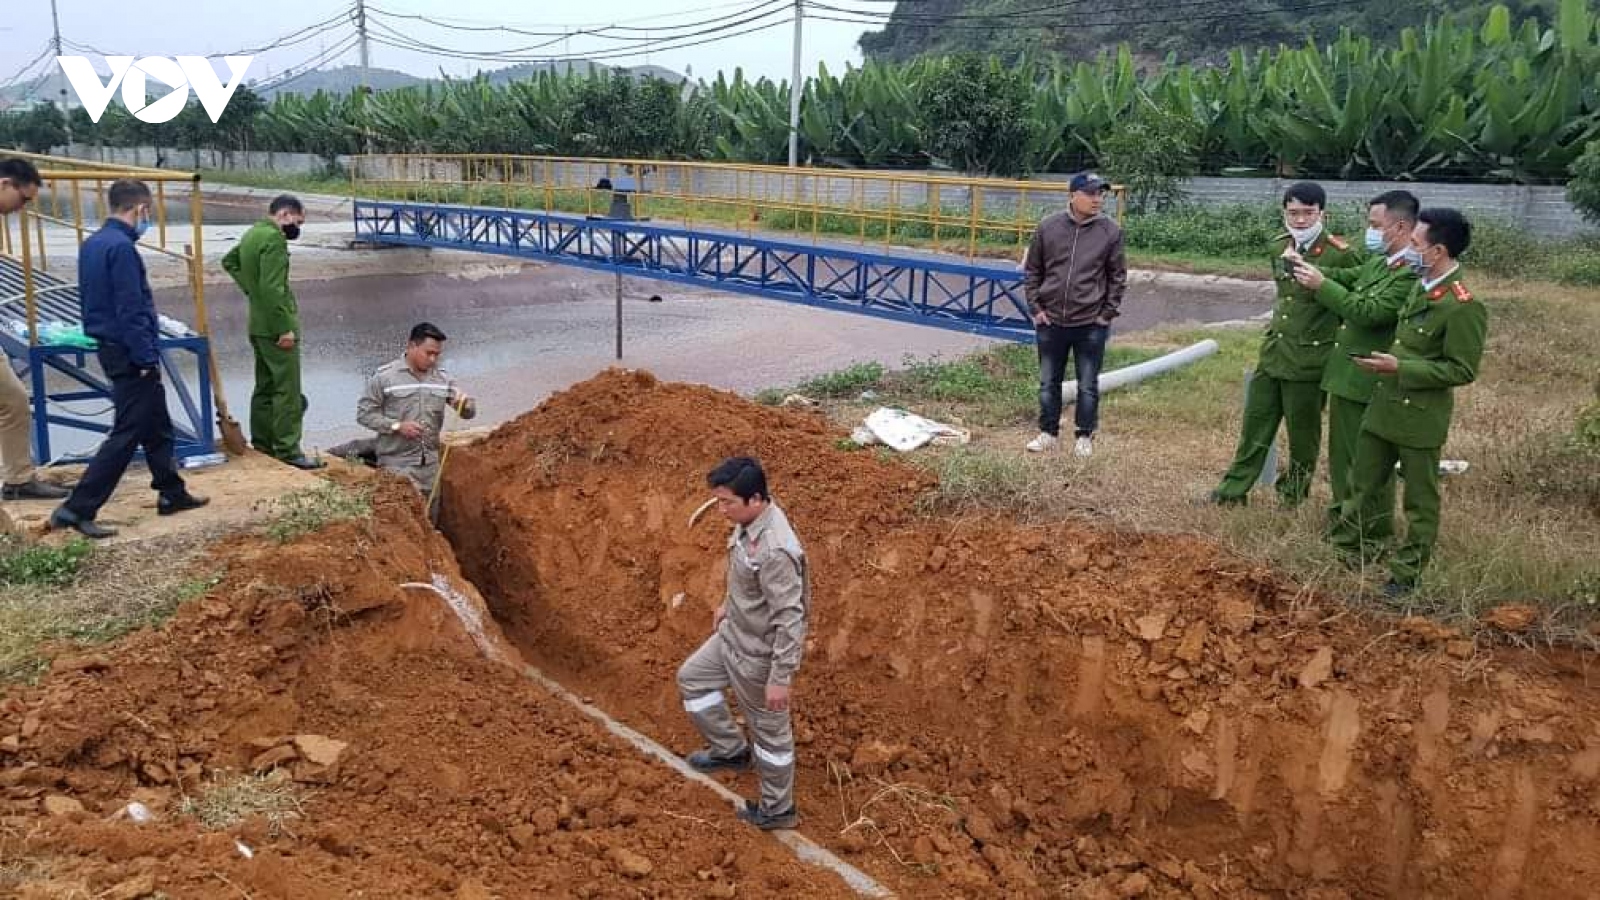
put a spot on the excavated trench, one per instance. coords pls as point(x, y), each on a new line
point(990, 709)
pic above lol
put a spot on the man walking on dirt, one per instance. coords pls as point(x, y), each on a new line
point(1438, 346)
point(259, 264)
point(19, 185)
point(758, 637)
point(405, 402)
point(1287, 385)
point(119, 312)
point(1367, 299)
point(1075, 275)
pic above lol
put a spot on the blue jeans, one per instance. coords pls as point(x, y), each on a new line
point(1087, 346)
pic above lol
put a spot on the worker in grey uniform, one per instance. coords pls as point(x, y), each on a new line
point(405, 402)
point(759, 633)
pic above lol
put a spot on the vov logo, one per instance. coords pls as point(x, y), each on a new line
point(181, 74)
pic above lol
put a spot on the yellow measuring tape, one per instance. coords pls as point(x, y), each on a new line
point(444, 454)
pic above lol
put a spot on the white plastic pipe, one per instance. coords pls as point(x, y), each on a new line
point(1139, 372)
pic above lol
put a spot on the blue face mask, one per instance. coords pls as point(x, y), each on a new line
point(1413, 258)
point(142, 228)
point(1375, 240)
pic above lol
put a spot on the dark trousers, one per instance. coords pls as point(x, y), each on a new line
point(140, 421)
point(1087, 346)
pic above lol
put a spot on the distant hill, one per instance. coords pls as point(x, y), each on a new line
point(1152, 28)
point(340, 80)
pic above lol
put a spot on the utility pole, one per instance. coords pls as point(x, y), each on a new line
point(795, 90)
point(366, 73)
point(66, 116)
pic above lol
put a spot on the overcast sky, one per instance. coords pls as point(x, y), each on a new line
point(190, 27)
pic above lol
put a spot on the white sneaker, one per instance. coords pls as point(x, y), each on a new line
point(1043, 442)
point(1083, 447)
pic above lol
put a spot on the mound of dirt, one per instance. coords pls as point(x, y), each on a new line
point(416, 765)
point(990, 709)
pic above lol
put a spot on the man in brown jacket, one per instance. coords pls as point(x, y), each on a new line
point(1076, 274)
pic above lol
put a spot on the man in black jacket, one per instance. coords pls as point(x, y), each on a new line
point(1076, 274)
point(120, 313)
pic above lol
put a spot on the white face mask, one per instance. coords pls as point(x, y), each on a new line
point(1375, 241)
point(1304, 237)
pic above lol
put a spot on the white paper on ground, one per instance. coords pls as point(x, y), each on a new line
point(906, 431)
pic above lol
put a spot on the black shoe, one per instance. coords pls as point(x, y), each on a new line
point(752, 813)
point(306, 463)
point(1217, 498)
point(167, 506)
point(63, 519)
point(704, 761)
point(34, 489)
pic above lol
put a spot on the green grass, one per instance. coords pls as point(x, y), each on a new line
point(117, 590)
point(306, 511)
point(41, 565)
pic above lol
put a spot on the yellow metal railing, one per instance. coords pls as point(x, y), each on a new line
point(978, 216)
point(62, 203)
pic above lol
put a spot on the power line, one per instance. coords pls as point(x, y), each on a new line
point(672, 42)
point(313, 64)
point(748, 15)
point(581, 57)
point(536, 30)
point(298, 36)
point(23, 72)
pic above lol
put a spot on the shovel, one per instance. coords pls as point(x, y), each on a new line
point(232, 435)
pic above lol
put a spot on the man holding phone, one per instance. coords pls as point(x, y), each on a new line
point(1438, 345)
point(1367, 299)
point(1287, 385)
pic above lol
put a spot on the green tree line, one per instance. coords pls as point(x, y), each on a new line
point(1497, 99)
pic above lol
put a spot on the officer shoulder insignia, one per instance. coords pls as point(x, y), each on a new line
point(1338, 242)
point(1435, 294)
point(1462, 294)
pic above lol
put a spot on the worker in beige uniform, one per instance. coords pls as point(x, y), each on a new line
point(19, 185)
point(405, 402)
point(759, 633)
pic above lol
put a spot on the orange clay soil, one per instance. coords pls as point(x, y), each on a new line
point(425, 769)
point(985, 709)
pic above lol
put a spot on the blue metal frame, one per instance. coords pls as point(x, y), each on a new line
point(973, 298)
point(58, 300)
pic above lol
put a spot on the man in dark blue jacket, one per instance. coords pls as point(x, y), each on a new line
point(120, 312)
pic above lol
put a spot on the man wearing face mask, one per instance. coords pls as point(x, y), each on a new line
point(1367, 298)
point(259, 264)
point(1438, 345)
point(1287, 385)
point(120, 313)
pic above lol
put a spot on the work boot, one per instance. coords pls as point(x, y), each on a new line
point(704, 761)
point(34, 489)
point(178, 503)
point(306, 463)
point(64, 519)
point(1396, 591)
point(752, 813)
point(1043, 443)
point(1218, 498)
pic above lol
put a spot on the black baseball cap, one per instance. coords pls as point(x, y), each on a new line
point(1089, 183)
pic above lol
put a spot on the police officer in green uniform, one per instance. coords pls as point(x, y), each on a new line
point(1367, 298)
point(1438, 344)
point(259, 264)
point(1287, 383)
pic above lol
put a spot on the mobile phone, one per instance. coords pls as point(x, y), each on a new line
point(1356, 354)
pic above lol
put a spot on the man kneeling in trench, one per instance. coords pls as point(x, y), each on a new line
point(404, 403)
point(758, 635)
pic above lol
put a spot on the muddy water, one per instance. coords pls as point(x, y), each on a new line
point(515, 339)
